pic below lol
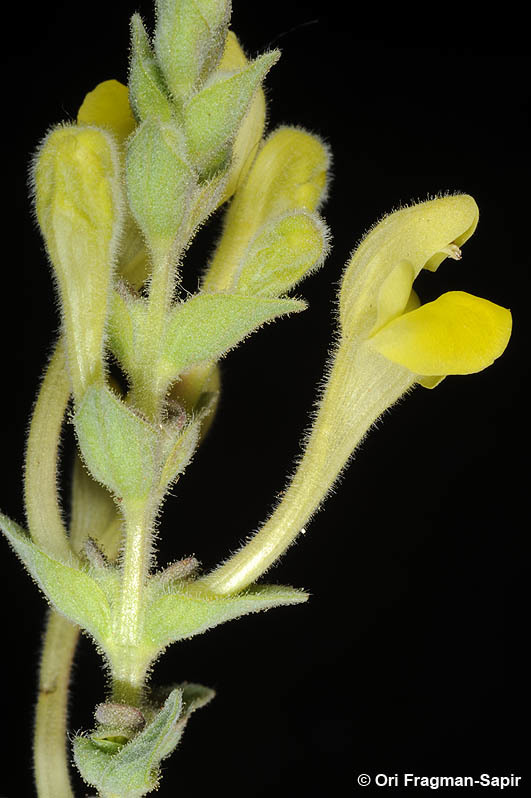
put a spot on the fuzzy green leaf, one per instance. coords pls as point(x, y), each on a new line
point(194, 696)
point(213, 116)
point(206, 326)
point(177, 448)
point(117, 446)
point(147, 91)
point(282, 253)
point(69, 586)
point(190, 609)
point(132, 770)
point(159, 184)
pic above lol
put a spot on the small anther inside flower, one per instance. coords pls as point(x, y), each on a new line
point(453, 251)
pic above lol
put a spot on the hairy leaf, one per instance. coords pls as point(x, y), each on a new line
point(282, 253)
point(159, 184)
point(146, 84)
point(133, 769)
point(208, 325)
point(117, 445)
point(190, 609)
point(213, 116)
point(69, 586)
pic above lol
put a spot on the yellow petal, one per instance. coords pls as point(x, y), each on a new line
point(395, 293)
point(422, 234)
point(456, 334)
point(108, 106)
point(252, 128)
point(430, 382)
point(288, 174)
point(413, 302)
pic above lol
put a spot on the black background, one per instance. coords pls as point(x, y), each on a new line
point(409, 657)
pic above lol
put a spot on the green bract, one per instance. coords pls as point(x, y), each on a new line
point(283, 252)
point(213, 116)
point(118, 447)
point(187, 609)
point(208, 325)
point(147, 90)
point(69, 586)
point(159, 184)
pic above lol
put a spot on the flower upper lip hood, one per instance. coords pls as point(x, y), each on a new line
point(456, 334)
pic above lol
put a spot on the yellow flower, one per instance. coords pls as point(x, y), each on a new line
point(387, 343)
point(458, 333)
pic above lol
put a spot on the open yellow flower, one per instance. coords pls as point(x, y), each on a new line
point(458, 333)
point(387, 342)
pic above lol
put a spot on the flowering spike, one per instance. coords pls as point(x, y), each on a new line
point(119, 198)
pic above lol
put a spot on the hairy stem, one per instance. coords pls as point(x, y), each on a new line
point(46, 527)
point(50, 755)
point(148, 391)
point(358, 391)
point(40, 486)
point(127, 660)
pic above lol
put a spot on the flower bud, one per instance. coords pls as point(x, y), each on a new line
point(189, 41)
point(79, 208)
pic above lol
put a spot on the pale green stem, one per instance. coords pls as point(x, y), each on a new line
point(50, 755)
point(128, 661)
point(47, 529)
point(361, 386)
point(40, 484)
point(148, 391)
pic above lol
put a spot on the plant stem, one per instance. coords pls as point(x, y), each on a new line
point(40, 485)
point(128, 661)
point(359, 390)
point(46, 527)
point(148, 390)
point(50, 756)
